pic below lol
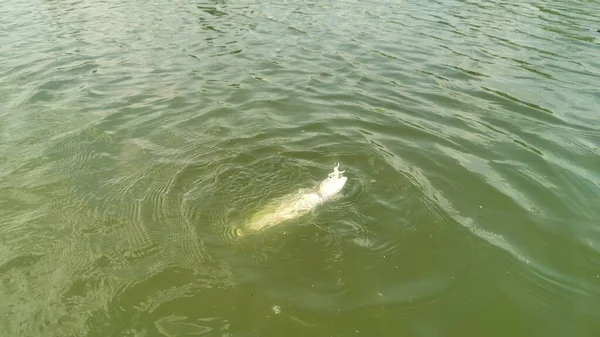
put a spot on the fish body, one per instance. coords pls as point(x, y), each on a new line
point(298, 204)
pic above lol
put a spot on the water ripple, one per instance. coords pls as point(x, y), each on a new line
point(136, 140)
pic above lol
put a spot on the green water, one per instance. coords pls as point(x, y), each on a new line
point(137, 137)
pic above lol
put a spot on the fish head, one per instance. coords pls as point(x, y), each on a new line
point(333, 184)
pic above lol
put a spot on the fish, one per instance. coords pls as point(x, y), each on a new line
point(297, 204)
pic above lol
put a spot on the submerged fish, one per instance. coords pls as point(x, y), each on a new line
point(297, 204)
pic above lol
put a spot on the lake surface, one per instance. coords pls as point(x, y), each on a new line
point(138, 137)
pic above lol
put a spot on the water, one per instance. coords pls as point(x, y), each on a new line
point(137, 137)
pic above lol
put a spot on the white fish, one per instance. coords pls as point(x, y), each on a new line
point(297, 204)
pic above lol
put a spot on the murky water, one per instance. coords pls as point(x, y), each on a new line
point(137, 137)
